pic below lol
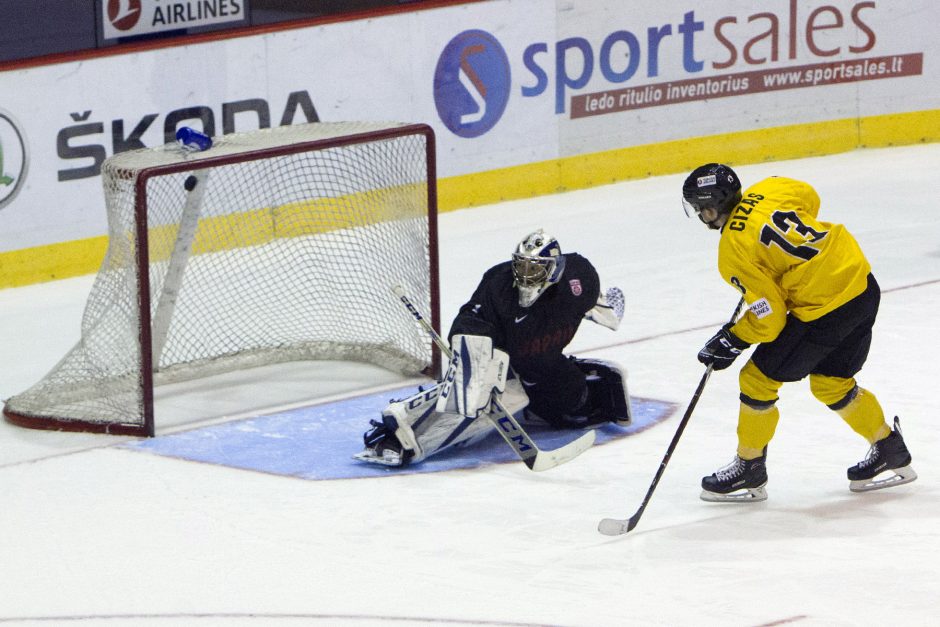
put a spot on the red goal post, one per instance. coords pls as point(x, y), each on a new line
point(274, 245)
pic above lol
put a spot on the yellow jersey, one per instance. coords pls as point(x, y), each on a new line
point(782, 259)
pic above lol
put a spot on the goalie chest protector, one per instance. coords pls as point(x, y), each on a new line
point(543, 328)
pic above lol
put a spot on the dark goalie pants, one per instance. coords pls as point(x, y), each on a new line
point(555, 385)
point(831, 350)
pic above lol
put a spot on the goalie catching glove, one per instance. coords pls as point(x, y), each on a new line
point(476, 372)
point(608, 311)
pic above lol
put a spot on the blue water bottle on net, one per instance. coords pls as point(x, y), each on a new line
point(192, 140)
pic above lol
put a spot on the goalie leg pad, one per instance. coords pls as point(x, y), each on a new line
point(608, 396)
point(418, 430)
point(476, 370)
point(445, 430)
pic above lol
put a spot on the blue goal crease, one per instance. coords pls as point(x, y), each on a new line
point(318, 442)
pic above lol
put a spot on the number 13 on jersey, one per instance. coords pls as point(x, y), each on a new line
point(784, 222)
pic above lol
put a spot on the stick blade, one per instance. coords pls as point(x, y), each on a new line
point(615, 526)
point(612, 526)
point(556, 457)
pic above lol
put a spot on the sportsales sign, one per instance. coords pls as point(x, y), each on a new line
point(127, 18)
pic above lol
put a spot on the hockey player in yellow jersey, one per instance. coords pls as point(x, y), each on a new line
point(811, 304)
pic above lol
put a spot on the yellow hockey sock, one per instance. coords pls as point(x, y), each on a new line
point(756, 428)
point(865, 416)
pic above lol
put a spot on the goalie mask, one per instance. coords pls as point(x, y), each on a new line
point(537, 264)
point(711, 192)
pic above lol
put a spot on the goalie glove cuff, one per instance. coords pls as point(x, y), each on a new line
point(609, 309)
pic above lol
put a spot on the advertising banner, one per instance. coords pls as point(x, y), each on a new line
point(685, 69)
point(129, 18)
point(505, 84)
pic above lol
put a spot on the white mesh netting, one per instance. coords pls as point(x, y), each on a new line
point(268, 257)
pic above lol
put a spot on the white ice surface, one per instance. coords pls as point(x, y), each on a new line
point(92, 534)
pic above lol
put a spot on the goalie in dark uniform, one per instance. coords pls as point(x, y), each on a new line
point(510, 335)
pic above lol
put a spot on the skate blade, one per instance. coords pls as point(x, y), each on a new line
point(900, 477)
point(746, 495)
point(370, 457)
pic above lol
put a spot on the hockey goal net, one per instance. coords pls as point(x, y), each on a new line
point(272, 246)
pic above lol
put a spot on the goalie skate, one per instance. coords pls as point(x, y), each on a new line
point(741, 481)
point(381, 444)
point(888, 455)
point(385, 457)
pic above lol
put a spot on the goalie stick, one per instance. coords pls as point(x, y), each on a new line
point(506, 425)
point(616, 526)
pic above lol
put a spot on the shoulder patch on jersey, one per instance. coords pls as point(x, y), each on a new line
point(575, 285)
point(761, 308)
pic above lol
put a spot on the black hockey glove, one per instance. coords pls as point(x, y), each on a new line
point(722, 349)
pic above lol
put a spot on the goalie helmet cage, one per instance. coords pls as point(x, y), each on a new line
point(272, 246)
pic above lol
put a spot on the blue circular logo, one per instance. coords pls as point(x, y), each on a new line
point(471, 83)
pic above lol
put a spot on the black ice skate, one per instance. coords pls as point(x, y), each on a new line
point(381, 445)
point(742, 480)
point(886, 455)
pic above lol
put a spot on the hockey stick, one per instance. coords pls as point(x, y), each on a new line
point(615, 526)
point(506, 425)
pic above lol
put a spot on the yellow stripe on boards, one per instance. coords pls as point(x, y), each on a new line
point(67, 259)
point(743, 147)
point(219, 233)
point(51, 262)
